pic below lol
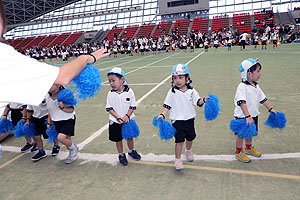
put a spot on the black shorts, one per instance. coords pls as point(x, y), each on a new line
point(115, 132)
point(185, 129)
point(40, 126)
point(264, 43)
point(274, 41)
point(216, 45)
point(255, 119)
point(243, 43)
point(66, 127)
point(16, 115)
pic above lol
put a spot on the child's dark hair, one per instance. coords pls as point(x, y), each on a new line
point(254, 67)
point(117, 75)
point(187, 83)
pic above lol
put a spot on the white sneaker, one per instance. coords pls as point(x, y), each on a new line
point(189, 156)
point(72, 155)
point(178, 165)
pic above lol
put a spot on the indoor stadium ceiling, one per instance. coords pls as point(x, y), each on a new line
point(20, 11)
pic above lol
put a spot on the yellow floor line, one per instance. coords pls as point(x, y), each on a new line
point(236, 171)
point(12, 160)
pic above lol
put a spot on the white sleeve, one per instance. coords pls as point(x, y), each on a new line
point(168, 101)
point(240, 94)
point(133, 101)
point(23, 79)
point(262, 96)
point(108, 101)
point(195, 97)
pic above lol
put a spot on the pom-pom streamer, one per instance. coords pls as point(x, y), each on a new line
point(18, 131)
point(29, 130)
point(67, 97)
point(211, 109)
point(130, 130)
point(166, 130)
point(276, 120)
point(52, 134)
point(6, 126)
point(88, 83)
point(242, 129)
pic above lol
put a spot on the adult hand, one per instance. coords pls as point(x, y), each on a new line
point(99, 54)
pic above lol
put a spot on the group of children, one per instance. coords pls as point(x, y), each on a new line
point(121, 104)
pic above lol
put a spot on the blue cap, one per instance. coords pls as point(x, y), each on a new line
point(180, 69)
point(245, 65)
point(118, 70)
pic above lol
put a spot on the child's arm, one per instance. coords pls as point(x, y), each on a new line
point(248, 117)
point(24, 114)
point(61, 105)
point(126, 118)
point(5, 112)
point(163, 114)
point(49, 126)
point(269, 108)
point(28, 116)
point(113, 113)
point(201, 101)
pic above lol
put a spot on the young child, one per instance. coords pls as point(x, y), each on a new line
point(120, 105)
point(264, 40)
point(63, 117)
point(179, 101)
point(38, 116)
point(247, 99)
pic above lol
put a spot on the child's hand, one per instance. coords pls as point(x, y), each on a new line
point(160, 116)
point(61, 105)
point(125, 119)
point(205, 98)
point(273, 111)
point(49, 126)
point(120, 120)
point(249, 121)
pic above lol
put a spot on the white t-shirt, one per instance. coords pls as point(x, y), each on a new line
point(120, 103)
point(55, 112)
point(252, 95)
point(244, 36)
point(22, 79)
point(39, 111)
point(181, 104)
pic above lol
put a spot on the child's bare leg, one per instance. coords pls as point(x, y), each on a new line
point(239, 142)
point(178, 149)
point(28, 140)
point(130, 144)
point(119, 146)
point(64, 139)
point(39, 142)
point(188, 145)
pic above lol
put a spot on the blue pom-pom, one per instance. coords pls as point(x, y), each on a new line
point(211, 109)
point(52, 135)
point(166, 130)
point(242, 129)
point(88, 83)
point(276, 120)
point(18, 131)
point(6, 126)
point(29, 130)
point(67, 97)
point(130, 130)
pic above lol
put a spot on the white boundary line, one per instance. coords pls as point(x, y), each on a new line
point(100, 131)
point(150, 157)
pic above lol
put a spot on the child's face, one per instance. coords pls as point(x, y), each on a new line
point(115, 82)
point(179, 81)
point(254, 76)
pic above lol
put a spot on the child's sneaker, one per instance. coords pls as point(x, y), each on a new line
point(179, 164)
point(134, 154)
point(253, 152)
point(34, 148)
point(123, 159)
point(55, 150)
point(38, 156)
point(189, 156)
point(26, 147)
point(242, 157)
point(72, 155)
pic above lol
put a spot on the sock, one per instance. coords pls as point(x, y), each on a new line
point(188, 150)
point(72, 146)
point(130, 151)
point(248, 146)
point(121, 154)
point(238, 150)
point(41, 151)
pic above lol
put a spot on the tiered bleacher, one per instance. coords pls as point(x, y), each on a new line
point(242, 22)
point(162, 28)
point(220, 22)
point(145, 30)
point(115, 31)
point(129, 31)
point(182, 26)
point(72, 38)
point(266, 17)
point(16, 41)
point(47, 40)
point(200, 24)
point(59, 39)
point(23, 43)
point(35, 41)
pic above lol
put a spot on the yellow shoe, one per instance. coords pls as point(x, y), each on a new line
point(242, 157)
point(253, 152)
